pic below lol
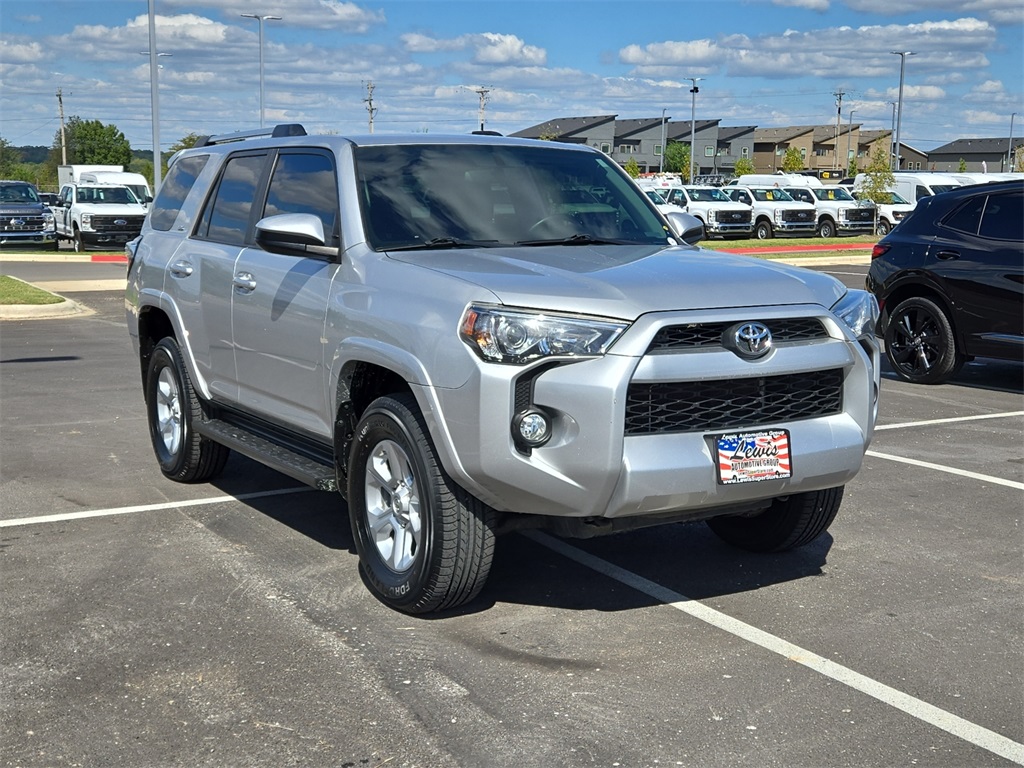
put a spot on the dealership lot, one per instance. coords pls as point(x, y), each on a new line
point(151, 623)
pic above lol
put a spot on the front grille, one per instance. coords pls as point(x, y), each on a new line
point(132, 225)
point(798, 216)
point(28, 223)
point(709, 335)
point(860, 214)
point(732, 217)
point(730, 404)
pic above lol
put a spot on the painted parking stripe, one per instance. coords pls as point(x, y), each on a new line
point(146, 507)
point(953, 724)
point(950, 420)
point(949, 470)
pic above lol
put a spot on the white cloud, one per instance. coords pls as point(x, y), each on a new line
point(488, 48)
point(811, 5)
point(312, 14)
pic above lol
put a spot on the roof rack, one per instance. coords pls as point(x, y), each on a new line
point(284, 129)
point(486, 133)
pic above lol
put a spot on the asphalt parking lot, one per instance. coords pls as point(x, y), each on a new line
point(148, 623)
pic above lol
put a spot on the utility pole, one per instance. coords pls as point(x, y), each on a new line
point(482, 93)
point(1009, 151)
point(839, 111)
point(372, 110)
point(899, 111)
point(693, 122)
point(849, 141)
point(63, 138)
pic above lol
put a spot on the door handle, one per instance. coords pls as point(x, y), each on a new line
point(181, 268)
point(244, 282)
point(947, 255)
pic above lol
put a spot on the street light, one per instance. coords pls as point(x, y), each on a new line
point(261, 19)
point(661, 165)
point(693, 121)
point(154, 95)
point(899, 111)
point(1009, 149)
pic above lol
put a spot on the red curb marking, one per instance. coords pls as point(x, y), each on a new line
point(108, 257)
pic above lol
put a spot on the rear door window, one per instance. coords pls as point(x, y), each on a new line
point(179, 182)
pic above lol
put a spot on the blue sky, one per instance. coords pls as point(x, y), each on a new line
point(763, 62)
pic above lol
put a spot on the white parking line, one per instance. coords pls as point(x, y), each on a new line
point(145, 508)
point(957, 726)
point(950, 420)
point(949, 470)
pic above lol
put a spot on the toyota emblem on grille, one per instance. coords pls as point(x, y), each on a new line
point(749, 340)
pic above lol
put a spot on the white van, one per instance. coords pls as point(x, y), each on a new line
point(913, 185)
point(778, 179)
point(136, 182)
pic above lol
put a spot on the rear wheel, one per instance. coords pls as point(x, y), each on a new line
point(172, 409)
point(883, 228)
point(788, 523)
point(424, 543)
point(763, 231)
point(919, 342)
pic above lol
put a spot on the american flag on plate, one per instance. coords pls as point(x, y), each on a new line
point(751, 456)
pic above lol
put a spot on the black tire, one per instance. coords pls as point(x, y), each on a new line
point(78, 242)
point(424, 544)
point(789, 523)
point(172, 409)
point(920, 344)
point(883, 228)
point(763, 231)
point(827, 228)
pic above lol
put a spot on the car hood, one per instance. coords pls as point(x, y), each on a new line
point(627, 281)
point(23, 209)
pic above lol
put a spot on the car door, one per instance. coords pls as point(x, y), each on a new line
point(978, 254)
point(280, 299)
point(203, 271)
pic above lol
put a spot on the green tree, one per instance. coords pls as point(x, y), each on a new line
point(744, 166)
point(878, 179)
point(93, 143)
point(632, 167)
point(962, 167)
point(9, 158)
point(677, 159)
point(851, 168)
point(792, 161)
point(189, 140)
point(1018, 160)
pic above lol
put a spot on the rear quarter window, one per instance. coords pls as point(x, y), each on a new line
point(179, 182)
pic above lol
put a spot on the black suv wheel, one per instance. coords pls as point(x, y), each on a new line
point(919, 342)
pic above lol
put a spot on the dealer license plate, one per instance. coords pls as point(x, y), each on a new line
point(748, 457)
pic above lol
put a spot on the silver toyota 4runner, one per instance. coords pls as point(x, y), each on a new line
point(469, 335)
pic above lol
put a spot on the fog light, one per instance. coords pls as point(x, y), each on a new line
point(531, 428)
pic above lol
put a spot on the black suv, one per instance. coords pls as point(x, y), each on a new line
point(950, 281)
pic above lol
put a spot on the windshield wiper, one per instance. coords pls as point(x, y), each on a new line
point(443, 242)
point(577, 239)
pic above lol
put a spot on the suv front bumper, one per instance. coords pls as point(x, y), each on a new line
point(592, 468)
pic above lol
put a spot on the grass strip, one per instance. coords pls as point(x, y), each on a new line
point(14, 291)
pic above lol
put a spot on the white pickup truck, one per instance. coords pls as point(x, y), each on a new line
point(98, 215)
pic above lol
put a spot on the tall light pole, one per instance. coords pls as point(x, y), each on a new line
point(661, 165)
point(260, 19)
point(899, 111)
point(154, 85)
point(1009, 149)
point(849, 140)
point(693, 121)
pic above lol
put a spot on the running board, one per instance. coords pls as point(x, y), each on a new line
point(295, 465)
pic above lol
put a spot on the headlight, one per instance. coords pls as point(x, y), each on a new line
point(859, 310)
point(86, 221)
point(518, 336)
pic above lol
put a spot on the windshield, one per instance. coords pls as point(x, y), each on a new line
point(707, 195)
point(936, 188)
point(498, 194)
point(776, 195)
point(655, 196)
point(832, 193)
point(18, 193)
point(106, 195)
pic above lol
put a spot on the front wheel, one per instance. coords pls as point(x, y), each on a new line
point(172, 409)
point(883, 228)
point(788, 523)
point(827, 229)
point(763, 231)
point(920, 344)
point(79, 243)
point(424, 544)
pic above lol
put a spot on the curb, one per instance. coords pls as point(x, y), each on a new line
point(66, 308)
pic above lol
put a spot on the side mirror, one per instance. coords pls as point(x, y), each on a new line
point(686, 227)
point(290, 230)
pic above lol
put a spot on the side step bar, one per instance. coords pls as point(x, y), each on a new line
point(295, 465)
